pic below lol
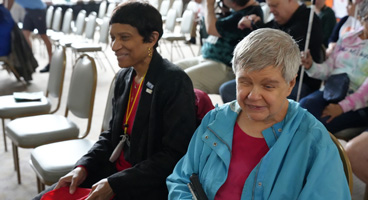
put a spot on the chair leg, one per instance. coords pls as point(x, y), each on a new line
point(40, 185)
point(16, 162)
point(3, 124)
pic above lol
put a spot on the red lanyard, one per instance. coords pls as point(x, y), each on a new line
point(131, 105)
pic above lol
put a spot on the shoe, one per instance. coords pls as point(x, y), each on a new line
point(191, 41)
point(46, 69)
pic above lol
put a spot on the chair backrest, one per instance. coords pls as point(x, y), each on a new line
point(79, 22)
point(164, 8)
point(91, 25)
point(345, 162)
point(171, 20)
point(56, 22)
point(49, 14)
point(82, 90)
point(108, 109)
point(56, 76)
point(178, 6)
point(187, 22)
point(193, 6)
point(67, 20)
point(104, 30)
point(110, 8)
point(102, 9)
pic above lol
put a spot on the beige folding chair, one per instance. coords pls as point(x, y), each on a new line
point(66, 27)
point(96, 48)
point(34, 131)
point(110, 9)
point(164, 8)
point(49, 167)
point(345, 162)
point(10, 109)
point(77, 30)
point(185, 28)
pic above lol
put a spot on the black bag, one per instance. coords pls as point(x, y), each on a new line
point(336, 88)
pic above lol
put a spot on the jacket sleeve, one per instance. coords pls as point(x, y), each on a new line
point(189, 164)
point(326, 179)
point(356, 100)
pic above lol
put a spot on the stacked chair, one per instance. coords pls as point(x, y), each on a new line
point(34, 131)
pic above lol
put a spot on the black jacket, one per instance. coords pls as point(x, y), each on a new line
point(164, 124)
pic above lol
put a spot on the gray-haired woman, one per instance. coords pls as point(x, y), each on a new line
point(262, 146)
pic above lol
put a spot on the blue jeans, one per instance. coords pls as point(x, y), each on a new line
point(315, 104)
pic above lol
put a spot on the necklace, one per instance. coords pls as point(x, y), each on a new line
point(131, 104)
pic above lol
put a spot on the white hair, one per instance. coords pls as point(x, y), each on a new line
point(268, 47)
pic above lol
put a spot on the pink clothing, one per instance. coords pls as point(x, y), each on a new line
point(350, 56)
point(246, 153)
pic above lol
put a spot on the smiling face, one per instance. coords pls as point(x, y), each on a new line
point(262, 94)
point(128, 46)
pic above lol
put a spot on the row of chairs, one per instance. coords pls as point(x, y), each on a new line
point(81, 37)
point(34, 123)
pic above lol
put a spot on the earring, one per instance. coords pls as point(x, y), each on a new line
point(149, 52)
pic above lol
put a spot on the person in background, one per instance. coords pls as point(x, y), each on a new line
point(328, 19)
point(35, 18)
point(345, 25)
point(356, 149)
point(153, 116)
point(213, 67)
point(262, 146)
point(349, 56)
point(292, 18)
point(6, 24)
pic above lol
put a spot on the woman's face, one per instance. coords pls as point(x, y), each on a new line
point(262, 95)
point(128, 45)
point(350, 8)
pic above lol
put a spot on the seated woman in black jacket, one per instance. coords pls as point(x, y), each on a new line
point(153, 115)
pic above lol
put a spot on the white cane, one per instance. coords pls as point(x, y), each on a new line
point(311, 15)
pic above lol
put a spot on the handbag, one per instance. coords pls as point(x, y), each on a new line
point(336, 88)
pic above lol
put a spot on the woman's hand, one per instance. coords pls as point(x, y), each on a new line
point(307, 60)
point(246, 21)
point(101, 190)
point(73, 179)
point(332, 110)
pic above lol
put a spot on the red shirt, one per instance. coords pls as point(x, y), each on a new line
point(247, 151)
point(121, 163)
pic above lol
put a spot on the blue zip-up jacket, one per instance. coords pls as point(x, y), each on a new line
point(302, 163)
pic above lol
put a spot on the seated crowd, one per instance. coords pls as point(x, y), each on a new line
point(164, 129)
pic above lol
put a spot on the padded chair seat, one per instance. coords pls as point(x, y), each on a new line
point(52, 161)
point(30, 132)
point(9, 108)
point(84, 46)
point(173, 36)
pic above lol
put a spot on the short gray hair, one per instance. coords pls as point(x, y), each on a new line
point(363, 8)
point(268, 47)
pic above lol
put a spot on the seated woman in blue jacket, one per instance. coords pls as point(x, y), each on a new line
point(262, 146)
